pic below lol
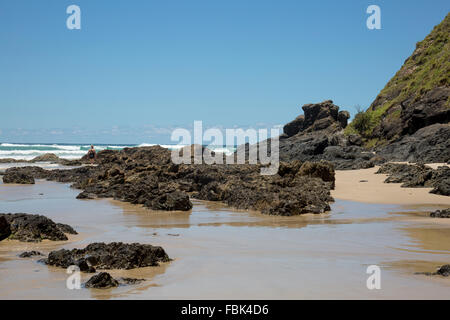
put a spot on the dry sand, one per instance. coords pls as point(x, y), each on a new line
point(350, 186)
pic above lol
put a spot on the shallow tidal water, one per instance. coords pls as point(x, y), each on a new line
point(220, 253)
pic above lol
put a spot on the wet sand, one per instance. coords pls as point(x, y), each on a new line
point(228, 254)
point(365, 186)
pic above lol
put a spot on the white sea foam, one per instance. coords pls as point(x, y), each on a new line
point(21, 151)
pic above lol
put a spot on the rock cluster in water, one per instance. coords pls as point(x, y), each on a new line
point(104, 280)
point(115, 255)
point(147, 176)
point(28, 254)
point(32, 228)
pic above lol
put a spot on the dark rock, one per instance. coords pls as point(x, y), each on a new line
point(47, 157)
point(441, 213)
point(24, 175)
point(417, 176)
point(355, 139)
point(318, 135)
point(87, 195)
point(33, 227)
point(148, 177)
point(130, 281)
point(294, 127)
point(5, 229)
point(13, 175)
point(85, 265)
point(343, 117)
point(444, 270)
point(115, 255)
point(172, 201)
point(430, 144)
point(66, 228)
point(28, 254)
point(102, 280)
point(323, 170)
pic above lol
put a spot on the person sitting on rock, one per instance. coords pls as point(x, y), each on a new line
point(92, 155)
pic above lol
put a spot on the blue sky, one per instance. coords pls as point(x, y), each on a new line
point(136, 69)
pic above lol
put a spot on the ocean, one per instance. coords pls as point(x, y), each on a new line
point(28, 151)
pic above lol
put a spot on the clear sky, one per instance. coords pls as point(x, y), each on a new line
point(138, 68)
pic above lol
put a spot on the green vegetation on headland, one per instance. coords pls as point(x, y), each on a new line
point(426, 69)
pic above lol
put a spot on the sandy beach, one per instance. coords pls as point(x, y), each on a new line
point(364, 185)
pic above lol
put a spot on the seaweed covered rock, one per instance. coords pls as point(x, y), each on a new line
point(33, 227)
point(115, 255)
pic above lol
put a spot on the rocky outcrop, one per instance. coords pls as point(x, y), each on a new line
point(418, 176)
point(33, 228)
point(441, 213)
point(319, 135)
point(318, 116)
point(148, 177)
point(47, 157)
point(24, 175)
point(17, 176)
point(430, 144)
point(115, 255)
point(103, 280)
